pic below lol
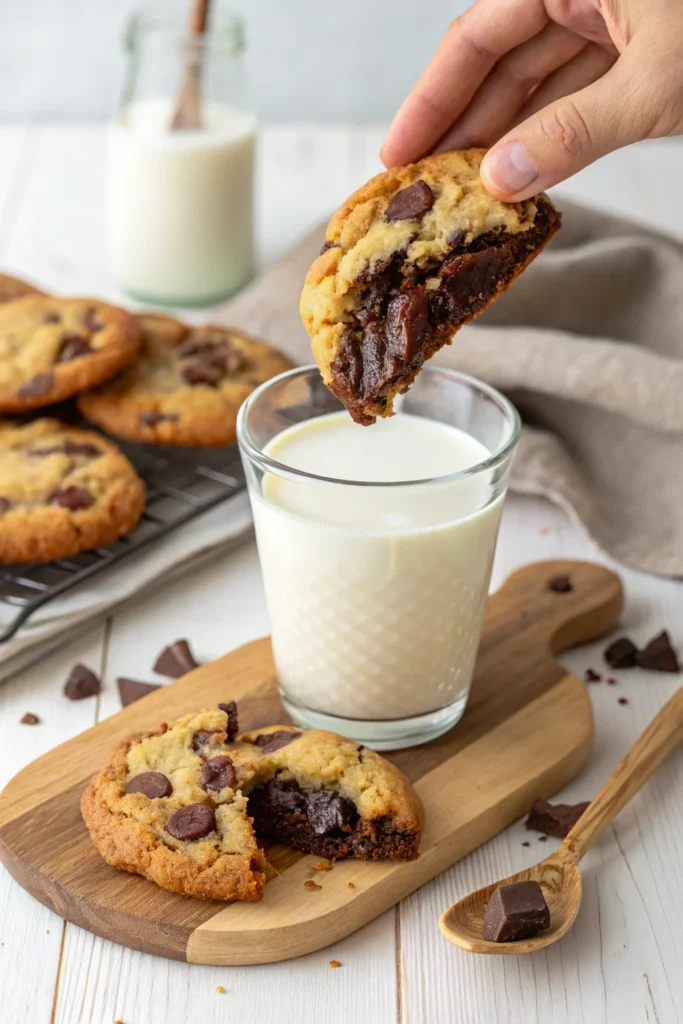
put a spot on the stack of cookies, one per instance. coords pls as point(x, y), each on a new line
point(145, 378)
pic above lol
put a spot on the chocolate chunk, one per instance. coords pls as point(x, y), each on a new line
point(217, 773)
point(328, 810)
point(150, 419)
point(233, 724)
point(52, 318)
point(457, 237)
point(621, 653)
point(73, 347)
point(68, 448)
point(36, 386)
point(175, 660)
point(81, 683)
point(592, 676)
point(515, 911)
point(406, 323)
point(560, 584)
point(131, 690)
point(29, 719)
point(201, 372)
point(623, 700)
point(73, 498)
point(90, 321)
point(328, 245)
point(360, 753)
point(5, 503)
point(554, 819)
point(201, 738)
point(270, 741)
point(192, 822)
point(285, 795)
point(658, 655)
point(413, 201)
point(151, 784)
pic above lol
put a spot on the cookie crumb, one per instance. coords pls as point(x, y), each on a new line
point(29, 719)
point(335, 963)
point(612, 681)
point(542, 839)
point(324, 865)
point(592, 676)
point(311, 885)
point(526, 843)
point(623, 700)
point(544, 531)
point(220, 989)
point(350, 885)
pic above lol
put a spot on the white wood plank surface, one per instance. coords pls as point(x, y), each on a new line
point(623, 960)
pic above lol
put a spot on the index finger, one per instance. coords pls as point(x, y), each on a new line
point(469, 49)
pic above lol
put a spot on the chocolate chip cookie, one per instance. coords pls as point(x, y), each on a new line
point(15, 288)
point(186, 386)
point(52, 348)
point(408, 259)
point(62, 491)
point(186, 804)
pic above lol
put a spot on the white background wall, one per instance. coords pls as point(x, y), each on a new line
point(308, 59)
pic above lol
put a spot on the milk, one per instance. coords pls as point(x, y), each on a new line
point(179, 204)
point(376, 594)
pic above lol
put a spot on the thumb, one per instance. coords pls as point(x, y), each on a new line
point(560, 139)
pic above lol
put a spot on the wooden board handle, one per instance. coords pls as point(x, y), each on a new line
point(662, 736)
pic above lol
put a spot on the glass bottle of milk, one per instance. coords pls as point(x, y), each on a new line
point(179, 203)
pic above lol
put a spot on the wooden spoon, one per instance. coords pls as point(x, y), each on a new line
point(559, 875)
point(187, 114)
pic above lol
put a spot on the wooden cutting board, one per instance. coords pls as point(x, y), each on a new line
point(527, 731)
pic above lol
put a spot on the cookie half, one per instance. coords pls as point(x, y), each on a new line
point(62, 491)
point(186, 804)
point(185, 387)
point(51, 348)
point(408, 259)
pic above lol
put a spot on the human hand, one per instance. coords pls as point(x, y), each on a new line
point(550, 85)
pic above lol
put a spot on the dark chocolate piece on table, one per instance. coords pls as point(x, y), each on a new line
point(515, 911)
point(131, 690)
point(29, 719)
point(623, 700)
point(554, 819)
point(81, 683)
point(658, 655)
point(592, 676)
point(621, 653)
point(560, 584)
point(176, 660)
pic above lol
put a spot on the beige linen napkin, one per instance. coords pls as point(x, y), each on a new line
point(588, 344)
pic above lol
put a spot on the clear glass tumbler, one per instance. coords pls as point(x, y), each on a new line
point(376, 584)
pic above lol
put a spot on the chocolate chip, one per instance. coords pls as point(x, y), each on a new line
point(36, 386)
point(81, 683)
point(413, 201)
point(73, 498)
point(554, 819)
point(5, 503)
point(658, 655)
point(68, 448)
point(621, 653)
point(233, 726)
point(560, 584)
point(592, 676)
point(73, 347)
point(150, 419)
point(217, 773)
point(175, 660)
point(52, 318)
point(201, 738)
point(201, 372)
point(328, 245)
point(328, 810)
point(270, 741)
point(515, 911)
point(29, 719)
point(90, 321)
point(192, 822)
point(131, 690)
point(151, 784)
point(456, 238)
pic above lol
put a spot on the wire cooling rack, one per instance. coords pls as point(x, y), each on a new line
point(181, 484)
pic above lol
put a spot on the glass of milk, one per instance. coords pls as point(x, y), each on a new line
point(179, 203)
point(376, 546)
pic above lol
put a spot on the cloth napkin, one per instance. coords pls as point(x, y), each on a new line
point(588, 344)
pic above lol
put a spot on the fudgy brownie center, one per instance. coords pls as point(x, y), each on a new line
point(401, 319)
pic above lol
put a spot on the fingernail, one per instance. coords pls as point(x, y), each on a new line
point(510, 168)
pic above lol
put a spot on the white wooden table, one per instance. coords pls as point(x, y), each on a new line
point(623, 960)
